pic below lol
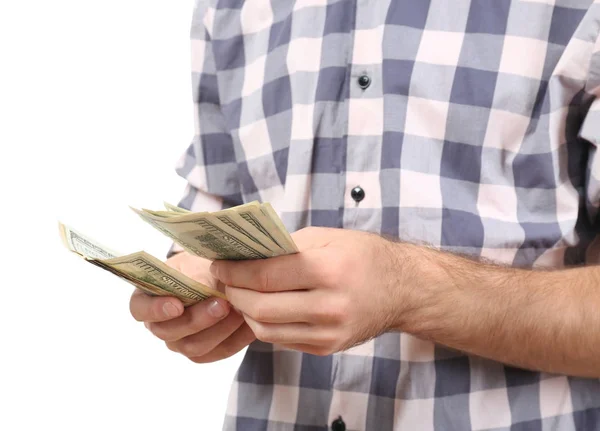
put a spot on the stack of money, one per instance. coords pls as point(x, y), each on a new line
point(250, 231)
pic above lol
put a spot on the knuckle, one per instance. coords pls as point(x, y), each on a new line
point(137, 317)
point(328, 349)
point(226, 350)
point(172, 347)
point(334, 310)
point(321, 351)
point(190, 348)
point(159, 332)
point(221, 271)
point(263, 279)
point(133, 309)
point(197, 321)
point(225, 276)
point(188, 319)
point(259, 312)
point(272, 335)
point(156, 311)
point(318, 350)
point(332, 345)
point(341, 309)
point(262, 333)
point(275, 338)
point(336, 317)
point(330, 275)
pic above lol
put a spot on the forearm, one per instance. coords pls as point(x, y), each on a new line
point(542, 320)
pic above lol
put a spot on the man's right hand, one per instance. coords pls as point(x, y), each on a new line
point(204, 332)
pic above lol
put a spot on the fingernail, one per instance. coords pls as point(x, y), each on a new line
point(147, 325)
point(216, 309)
point(170, 310)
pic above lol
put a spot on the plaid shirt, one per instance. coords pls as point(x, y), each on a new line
point(470, 125)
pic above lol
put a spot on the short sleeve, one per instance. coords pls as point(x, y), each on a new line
point(208, 164)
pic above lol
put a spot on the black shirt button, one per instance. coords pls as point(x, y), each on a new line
point(357, 193)
point(364, 81)
point(338, 425)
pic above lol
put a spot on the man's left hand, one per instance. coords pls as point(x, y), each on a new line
point(339, 291)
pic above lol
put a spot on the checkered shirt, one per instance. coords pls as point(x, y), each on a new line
point(475, 132)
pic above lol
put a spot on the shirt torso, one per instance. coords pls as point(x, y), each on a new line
point(470, 126)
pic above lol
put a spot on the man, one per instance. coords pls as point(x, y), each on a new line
point(467, 130)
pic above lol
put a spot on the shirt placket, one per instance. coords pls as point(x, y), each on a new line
point(364, 131)
point(362, 193)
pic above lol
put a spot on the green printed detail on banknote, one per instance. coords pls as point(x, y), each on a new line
point(249, 231)
point(140, 269)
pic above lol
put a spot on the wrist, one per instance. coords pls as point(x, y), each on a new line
point(416, 277)
point(432, 291)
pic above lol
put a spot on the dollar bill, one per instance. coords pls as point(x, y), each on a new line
point(265, 219)
point(248, 231)
point(208, 236)
point(80, 244)
point(139, 269)
point(163, 214)
point(175, 208)
point(254, 221)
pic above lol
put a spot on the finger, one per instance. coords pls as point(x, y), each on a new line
point(285, 333)
point(146, 308)
point(196, 318)
point(237, 341)
point(291, 272)
point(281, 307)
point(203, 342)
point(176, 259)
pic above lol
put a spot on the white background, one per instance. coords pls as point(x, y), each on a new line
point(95, 109)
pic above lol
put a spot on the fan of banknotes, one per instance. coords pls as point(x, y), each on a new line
point(249, 231)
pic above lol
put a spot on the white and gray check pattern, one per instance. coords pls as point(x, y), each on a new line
point(477, 134)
